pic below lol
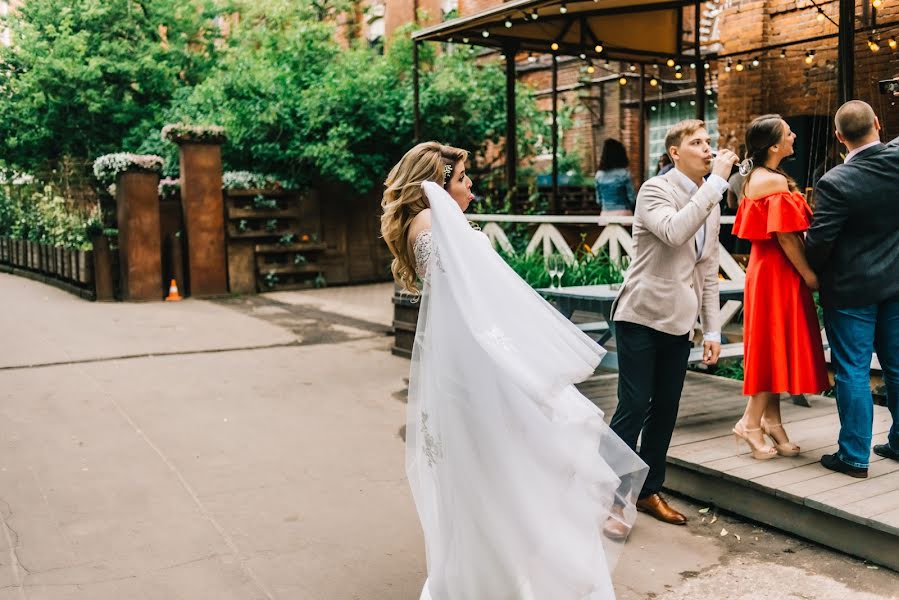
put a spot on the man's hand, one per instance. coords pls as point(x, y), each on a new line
point(710, 352)
point(723, 163)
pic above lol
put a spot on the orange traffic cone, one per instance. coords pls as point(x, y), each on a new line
point(173, 296)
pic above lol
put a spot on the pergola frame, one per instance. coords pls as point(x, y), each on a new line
point(511, 28)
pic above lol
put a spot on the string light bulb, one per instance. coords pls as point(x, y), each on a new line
point(678, 75)
point(622, 80)
point(653, 82)
point(582, 56)
point(892, 43)
point(873, 45)
point(809, 57)
point(554, 46)
point(534, 16)
point(670, 62)
point(728, 65)
point(783, 52)
point(632, 67)
point(598, 47)
point(877, 3)
point(591, 69)
point(485, 33)
point(508, 24)
point(739, 66)
point(755, 62)
point(563, 9)
point(820, 16)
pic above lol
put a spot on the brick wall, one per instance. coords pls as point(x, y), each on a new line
point(399, 12)
point(789, 85)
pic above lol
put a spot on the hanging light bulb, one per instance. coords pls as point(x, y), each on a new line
point(877, 3)
point(706, 66)
point(653, 108)
point(670, 62)
point(591, 69)
point(692, 65)
point(728, 65)
point(563, 9)
point(873, 45)
point(892, 43)
point(485, 33)
point(783, 52)
point(692, 102)
point(708, 92)
point(739, 66)
point(809, 57)
point(678, 75)
point(653, 82)
point(755, 62)
point(508, 24)
point(622, 80)
point(632, 67)
point(672, 104)
point(465, 40)
point(820, 16)
point(582, 56)
point(531, 58)
point(598, 48)
point(534, 15)
point(554, 46)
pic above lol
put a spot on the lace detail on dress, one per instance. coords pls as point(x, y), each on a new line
point(422, 248)
point(432, 448)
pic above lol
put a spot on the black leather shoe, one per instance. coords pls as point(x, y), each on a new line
point(832, 462)
point(886, 451)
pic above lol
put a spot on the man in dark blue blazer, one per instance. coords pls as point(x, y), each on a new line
point(853, 246)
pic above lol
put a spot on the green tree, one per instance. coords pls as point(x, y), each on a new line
point(86, 77)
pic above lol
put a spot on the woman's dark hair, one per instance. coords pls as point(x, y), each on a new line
point(763, 132)
point(614, 156)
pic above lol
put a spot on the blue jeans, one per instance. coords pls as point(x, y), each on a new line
point(854, 334)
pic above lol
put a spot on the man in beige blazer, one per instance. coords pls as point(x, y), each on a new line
point(672, 281)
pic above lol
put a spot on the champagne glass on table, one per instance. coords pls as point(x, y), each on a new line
point(555, 266)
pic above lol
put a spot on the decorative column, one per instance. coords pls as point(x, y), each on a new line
point(137, 210)
point(201, 203)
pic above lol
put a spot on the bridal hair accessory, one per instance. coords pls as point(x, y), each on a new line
point(746, 167)
point(447, 173)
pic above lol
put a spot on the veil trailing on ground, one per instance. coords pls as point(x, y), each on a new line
point(513, 471)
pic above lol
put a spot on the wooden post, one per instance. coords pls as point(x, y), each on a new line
point(137, 208)
point(204, 220)
point(699, 71)
point(846, 52)
point(555, 135)
point(511, 136)
point(416, 93)
point(642, 126)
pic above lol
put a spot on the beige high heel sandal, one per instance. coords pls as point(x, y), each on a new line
point(757, 452)
point(787, 448)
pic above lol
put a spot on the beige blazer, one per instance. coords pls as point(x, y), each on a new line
point(665, 287)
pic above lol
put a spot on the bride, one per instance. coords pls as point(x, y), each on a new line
point(514, 472)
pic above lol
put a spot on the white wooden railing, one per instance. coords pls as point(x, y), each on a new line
point(614, 236)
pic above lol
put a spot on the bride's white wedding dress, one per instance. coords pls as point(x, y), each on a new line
point(513, 471)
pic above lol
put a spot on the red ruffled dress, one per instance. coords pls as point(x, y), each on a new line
point(781, 336)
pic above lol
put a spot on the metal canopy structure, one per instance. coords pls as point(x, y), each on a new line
point(638, 31)
point(628, 30)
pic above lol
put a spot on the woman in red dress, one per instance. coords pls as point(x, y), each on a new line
point(782, 339)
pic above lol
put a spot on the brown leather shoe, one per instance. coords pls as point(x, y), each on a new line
point(656, 506)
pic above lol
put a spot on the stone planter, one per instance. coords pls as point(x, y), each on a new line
point(204, 224)
point(140, 264)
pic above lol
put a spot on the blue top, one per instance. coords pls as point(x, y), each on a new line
point(615, 190)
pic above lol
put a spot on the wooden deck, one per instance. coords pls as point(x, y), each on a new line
point(798, 495)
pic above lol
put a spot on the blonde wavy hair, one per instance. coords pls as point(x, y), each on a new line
point(404, 198)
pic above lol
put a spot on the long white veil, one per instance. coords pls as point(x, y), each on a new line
point(513, 471)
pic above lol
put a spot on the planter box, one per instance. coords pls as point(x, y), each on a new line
point(140, 256)
point(102, 268)
point(4, 256)
point(73, 264)
point(46, 251)
point(52, 263)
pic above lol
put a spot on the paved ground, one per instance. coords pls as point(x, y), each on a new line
point(248, 448)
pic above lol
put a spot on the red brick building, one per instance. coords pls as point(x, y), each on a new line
point(775, 56)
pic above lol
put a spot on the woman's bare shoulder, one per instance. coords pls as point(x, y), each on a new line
point(420, 222)
point(764, 182)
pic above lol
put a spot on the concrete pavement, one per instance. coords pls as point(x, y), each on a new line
point(248, 448)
